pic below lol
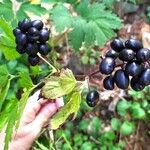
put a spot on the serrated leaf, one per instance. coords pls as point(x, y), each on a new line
point(6, 10)
point(127, 128)
point(11, 122)
point(61, 17)
point(115, 124)
point(4, 92)
point(27, 7)
point(22, 105)
point(6, 28)
point(93, 25)
point(7, 41)
point(59, 86)
point(77, 35)
point(71, 107)
point(25, 80)
point(3, 75)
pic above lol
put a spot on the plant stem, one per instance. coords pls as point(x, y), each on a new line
point(93, 73)
point(53, 68)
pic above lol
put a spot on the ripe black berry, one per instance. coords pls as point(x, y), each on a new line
point(143, 54)
point(92, 98)
point(24, 25)
point(121, 79)
point(136, 85)
point(33, 31)
point(107, 65)
point(33, 59)
point(117, 45)
point(37, 24)
point(108, 83)
point(44, 49)
point(133, 68)
point(21, 49)
point(32, 49)
point(16, 31)
point(133, 44)
point(126, 55)
point(44, 35)
point(145, 77)
point(32, 39)
point(111, 53)
point(21, 39)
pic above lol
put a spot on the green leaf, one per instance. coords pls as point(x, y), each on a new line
point(25, 80)
point(41, 146)
point(22, 105)
point(115, 124)
point(122, 107)
point(11, 122)
point(77, 35)
point(27, 7)
point(138, 113)
point(127, 128)
point(7, 41)
point(59, 86)
point(96, 125)
point(4, 92)
point(61, 17)
point(71, 107)
point(3, 75)
point(6, 10)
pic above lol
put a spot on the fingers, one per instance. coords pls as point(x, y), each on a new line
point(43, 117)
point(45, 113)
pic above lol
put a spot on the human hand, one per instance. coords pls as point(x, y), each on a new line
point(36, 115)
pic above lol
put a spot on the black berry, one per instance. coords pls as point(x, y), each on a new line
point(111, 53)
point(32, 49)
point(44, 35)
point(143, 54)
point(107, 65)
point(117, 45)
point(33, 59)
point(44, 49)
point(108, 83)
point(37, 24)
point(133, 44)
point(121, 79)
point(126, 55)
point(25, 25)
point(92, 98)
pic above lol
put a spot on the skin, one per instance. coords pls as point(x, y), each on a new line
point(37, 114)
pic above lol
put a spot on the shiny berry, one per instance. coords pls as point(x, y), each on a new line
point(145, 77)
point(108, 83)
point(133, 44)
point(121, 79)
point(32, 49)
point(24, 25)
point(44, 35)
point(16, 31)
point(143, 54)
point(117, 45)
point(21, 39)
point(37, 24)
point(92, 98)
point(33, 31)
point(126, 55)
point(33, 60)
point(133, 68)
point(44, 49)
point(111, 53)
point(107, 65)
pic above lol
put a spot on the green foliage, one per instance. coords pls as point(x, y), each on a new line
point(59, 86)
point(115, 124)
point(71, 107)
point(93, 25)
point(127, 128)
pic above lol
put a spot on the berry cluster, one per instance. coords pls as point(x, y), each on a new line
point(31, 38)
point(134, 68)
